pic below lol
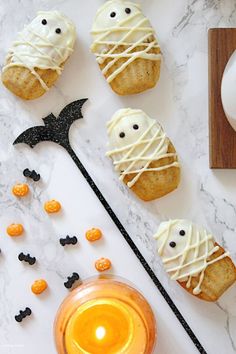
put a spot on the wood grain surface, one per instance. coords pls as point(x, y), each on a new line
point(222, 44)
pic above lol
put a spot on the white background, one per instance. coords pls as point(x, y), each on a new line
point(208, 197)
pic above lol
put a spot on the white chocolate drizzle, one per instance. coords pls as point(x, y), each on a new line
point(133, 155)
point(39, 46)
point(191, 254)
point(133, 31)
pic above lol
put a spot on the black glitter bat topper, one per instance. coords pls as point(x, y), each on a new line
point(57, 131)
point(54, 129)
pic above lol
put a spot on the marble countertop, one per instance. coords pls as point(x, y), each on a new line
point(180, 103)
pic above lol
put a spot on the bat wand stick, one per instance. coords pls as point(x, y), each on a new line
point(57, 131)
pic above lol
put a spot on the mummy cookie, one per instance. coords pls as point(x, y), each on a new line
point(38, 55)
point(126, 47)
point(142, 154)
point(192, 257)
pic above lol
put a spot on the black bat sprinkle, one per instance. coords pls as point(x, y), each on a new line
point(68, 241)
point(31, 174)
point(71, 280)
point(23, 314)
point(57, 131)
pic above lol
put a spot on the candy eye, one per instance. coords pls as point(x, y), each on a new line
point(128, 10)
point(182, 233)
point(172, 244)
point(113, 14)
point(135, 127)
point(44, 22)
point(122, 135)
point(58, 31)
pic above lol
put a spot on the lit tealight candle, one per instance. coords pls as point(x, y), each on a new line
point(105, 316)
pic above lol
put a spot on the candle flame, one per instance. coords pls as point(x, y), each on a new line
point(100, 332)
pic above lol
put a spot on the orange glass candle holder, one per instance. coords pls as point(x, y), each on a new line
point(105, 315)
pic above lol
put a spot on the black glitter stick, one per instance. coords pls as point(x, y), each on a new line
point(57, 131)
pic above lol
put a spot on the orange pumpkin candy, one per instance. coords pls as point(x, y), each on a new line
point(20, 189)
point(52, 206)
point(103, 264)
point(93, 235)
point(15, 230)
point(39, 286)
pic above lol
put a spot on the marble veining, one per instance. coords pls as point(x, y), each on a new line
point(180, 104)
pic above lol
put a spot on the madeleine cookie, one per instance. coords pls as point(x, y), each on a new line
point(142, 154)
point(126, 47)
point(38, 55)
point(192, 257)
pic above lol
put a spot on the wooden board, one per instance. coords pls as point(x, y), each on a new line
point(222, 44)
